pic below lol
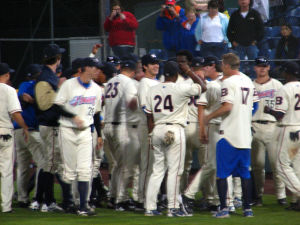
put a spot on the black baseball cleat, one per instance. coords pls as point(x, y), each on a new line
point(187, 205)
point(139, 207)
point(86, 212)
point(282, 201)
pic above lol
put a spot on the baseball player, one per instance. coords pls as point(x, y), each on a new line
point(287, 112)
point(150, 65)
point(233, 149)
point(32, 149)
point(10, 107)
point(209, 101)
point(167, 115)
point(45, 92)
point(264, 126)
point(79, 101)
point(121, 123)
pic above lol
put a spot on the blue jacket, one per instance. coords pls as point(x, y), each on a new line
point(224, 22)
point(171, 30)
point(28, 110)
point(187, 39)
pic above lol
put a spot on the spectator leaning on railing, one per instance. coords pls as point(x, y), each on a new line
point(121, 26)
point(211, 31)
point(245, 29)
point(168, 22)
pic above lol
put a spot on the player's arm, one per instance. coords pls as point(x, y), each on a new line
point(277, 114)
point(197, 79)
point(17, 116)
point(150, 122)
point(223, 110)
point(202, 131)
point(62, 112)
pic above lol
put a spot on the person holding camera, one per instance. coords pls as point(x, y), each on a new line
point(169, 23)
point(121, 26)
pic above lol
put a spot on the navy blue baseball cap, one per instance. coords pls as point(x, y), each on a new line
point(113, 59)
point(209, 60)
point(149, 59)
point(129, 64)
point(291, 68)
point(262, 61)
point(109, 70)
point(91, 62)
point(197, 62)
point(33, 69)
point(52, 50)
point(4, 69)
point(171, 68)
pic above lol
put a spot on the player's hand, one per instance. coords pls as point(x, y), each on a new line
point(27, 98)
point(26, 134)
point(96, 48)
point(267, 109)
point(184, 67)
point(78, 122)
point(99, 143)
point(113, 14)
point(203, 136)
point(294, 136)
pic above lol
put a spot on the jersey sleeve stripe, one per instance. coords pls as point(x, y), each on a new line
point(201, 103)
point(147, 111)
point(16, 110)
point(222, 101)
point(280, 110)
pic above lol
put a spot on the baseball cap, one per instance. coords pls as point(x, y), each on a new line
point(171, 68)
point(91, 62)
point(197, 61)
point(149, 59)
point(129, 64)
point(33, 69)
point(209, 60)
point(109, 70)
point(4, 68)
point(52, 50)
point(262, 61)
point(170, 2)
point(76, 64)
point(291, 68)
point(113, 59)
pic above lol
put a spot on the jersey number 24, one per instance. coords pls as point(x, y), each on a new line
point(167, 103)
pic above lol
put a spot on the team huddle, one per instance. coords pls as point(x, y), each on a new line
point(148, 128)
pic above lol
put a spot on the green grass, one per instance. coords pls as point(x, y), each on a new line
point(270, 213)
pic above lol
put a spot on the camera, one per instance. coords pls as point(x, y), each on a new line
point(167, 7)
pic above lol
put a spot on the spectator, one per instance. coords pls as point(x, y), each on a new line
point(245, 29)
point(168, 22)
point(121, 26)
point(288, 46)
point(211, 32)
point(188, 26)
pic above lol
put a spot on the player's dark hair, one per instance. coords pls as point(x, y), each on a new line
point(51, 60)
point(218, 68)
point(185, 53)
point(213, 4)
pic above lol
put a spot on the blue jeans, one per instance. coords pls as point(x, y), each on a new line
point(216, 49)
point(122, 51)
point(251, 52)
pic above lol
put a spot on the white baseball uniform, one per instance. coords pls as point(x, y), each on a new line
point(264, 127)
point(288, 102)
point(121, 131)
point(9, 105)
point(146, 155)
point(76, 144)
point(167, 103)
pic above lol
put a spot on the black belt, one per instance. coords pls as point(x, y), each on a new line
point(118, 123)
point(169, 124)
point(263, 121)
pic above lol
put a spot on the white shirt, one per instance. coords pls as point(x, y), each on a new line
point(168, 102)
point(119, 92)
point(211, 99)
point(79, 100)
point(143, 91)
point(212, 29)
point(236, 125)
point(288, 102)
point(266, 93)
point(9, 105)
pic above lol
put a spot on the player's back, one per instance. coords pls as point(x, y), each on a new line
point(118, 92)
point(288, 101)
point(236, 126)
point(168, 102)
